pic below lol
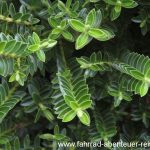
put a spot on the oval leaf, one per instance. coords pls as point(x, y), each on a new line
point(76, 25)
point(100, 34)
point(82, 40)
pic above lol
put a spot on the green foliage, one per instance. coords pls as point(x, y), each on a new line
point(104, 126)
point(9, 98)
point(89, 29)
point(132, 64)
point(143, 19)
point(74, 70)
point(96, 62)
point(75, 93)
point(117, 6)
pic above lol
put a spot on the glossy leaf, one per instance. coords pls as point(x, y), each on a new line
point(76, 25)
point(101, 34)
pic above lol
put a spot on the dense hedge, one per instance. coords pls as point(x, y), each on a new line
point(74, 71)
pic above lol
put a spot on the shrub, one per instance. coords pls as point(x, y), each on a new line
point(73, 71)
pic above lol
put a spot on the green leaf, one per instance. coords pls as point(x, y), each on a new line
point(91, 18)
point(117, 102)
point(74, 93)
point(81, 41)
point(129, 4)
point(94, 1)
point(69, 116)
point(51, 43)
point(12, 77)
point(101, 34)
point(75, 6)
point(61, 6)
point(84, 117)
point(111, 2)
point(86, 104)
point(41, 55)
point(12, 10)
point(7, 106)
point(6, 66)
point(68, 36)
point(17, 144)
point(20, 77)
point(63, 24)
point(144, 89)
point(53, 22)
point(56, 31)
point(56, 129)
point(34, 48)
point(36, 38)
point(2, 46)
point(17, 16)
point(74, 105)
point(47, 136)
point(115, 14)
point(4, 8)
point(96, 62)
point(8, 146)
point(48, 114)
point(25, 17)
point(77, 25)
point(68, 3)
point(38, 115)
point(26, 141)
point(117, 8)
point(104, 125)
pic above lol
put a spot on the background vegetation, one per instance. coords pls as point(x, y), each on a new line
point(75, 70)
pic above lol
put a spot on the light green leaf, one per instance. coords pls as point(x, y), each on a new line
point(53, 22)
point(36, 38)
point(68, 36)
point(77, 25)
point(63, 24)
point(51, 43)
point(100, 34)
point(48, 114)
point(61, 6)
point(129, 3)
point(68, 3)
point(84, 118)
point(56, 31)
point(117, 9)
point(2, 46)
point(74, 105)
point(41, 55)
point(115, 14)
point(34, 48)
point(85, 104)
point(47, 136)
point(69, 116)
point(82, 40)
point(91, 18)
point(12, 77)
point(144, 89)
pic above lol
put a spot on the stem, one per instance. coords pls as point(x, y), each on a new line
point(62, 53)
point(11, 20)
point(11, 91)
point(61, 61)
